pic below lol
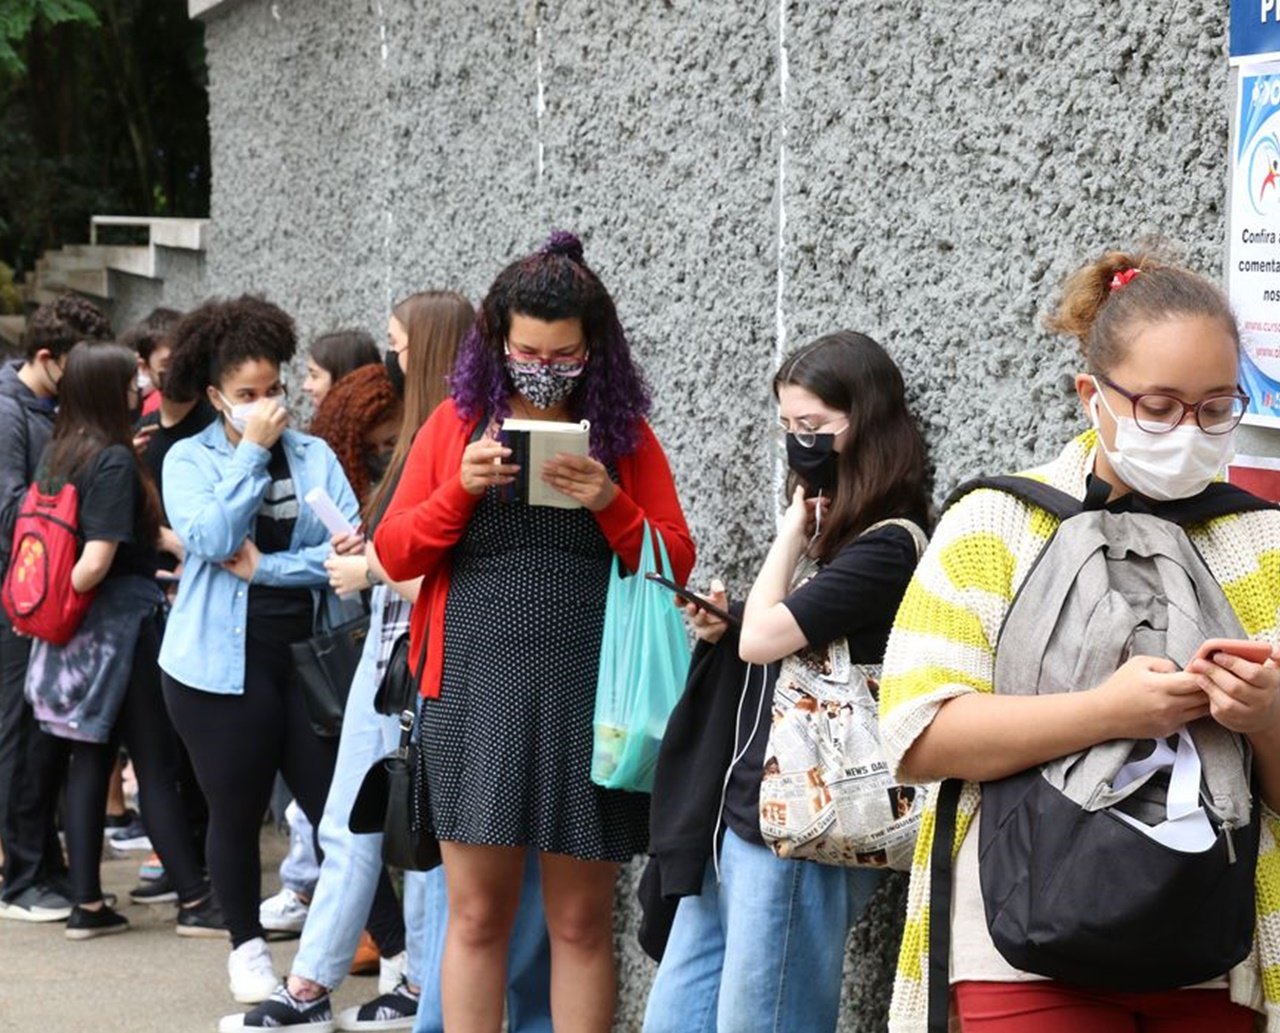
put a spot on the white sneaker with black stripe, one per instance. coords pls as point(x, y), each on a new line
point(396, 1010)
point(283, 1011)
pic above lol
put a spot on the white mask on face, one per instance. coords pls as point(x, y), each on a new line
point(1175, 465)
point(238, 415)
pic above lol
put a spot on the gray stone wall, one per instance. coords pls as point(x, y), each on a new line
point(746, 175)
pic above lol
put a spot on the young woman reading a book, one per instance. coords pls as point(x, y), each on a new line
point(509, 622)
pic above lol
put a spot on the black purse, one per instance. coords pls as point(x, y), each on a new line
point(392, 800)
point(325, 665)
point(397, 689)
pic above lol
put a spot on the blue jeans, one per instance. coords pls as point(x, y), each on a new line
point(299, 870)
point(763, 951)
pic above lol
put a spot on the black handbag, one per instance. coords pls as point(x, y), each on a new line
point(392, 800)
point(325, 665)
point(396, 692)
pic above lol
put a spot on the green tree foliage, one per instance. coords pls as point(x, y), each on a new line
point(103, 110)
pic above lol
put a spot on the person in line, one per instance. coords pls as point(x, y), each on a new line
point(763, 935)
point(334, 355)
point(508, 623)
point(103, 686)
point(424, 331)
point(253, 583)
point(36, 888)
point(181, 414)
point(1158, 385)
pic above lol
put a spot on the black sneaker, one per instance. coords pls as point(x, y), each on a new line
point(282, 1009)
point(85, 924)
point(396, 1010)
point(154, 891)
point(204, 919)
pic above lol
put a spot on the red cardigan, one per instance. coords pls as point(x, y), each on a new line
point(429, 512)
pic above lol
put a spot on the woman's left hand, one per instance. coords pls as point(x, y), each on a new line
point(244, 561)
point(581, 478)
point(347, 574)
point(1244, 697)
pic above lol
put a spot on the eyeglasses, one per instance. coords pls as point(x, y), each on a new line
point(807, 436)
point(1159, 413)
point(564, 365)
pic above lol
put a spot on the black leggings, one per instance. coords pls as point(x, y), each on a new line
point(237, 744)
point(144, 727)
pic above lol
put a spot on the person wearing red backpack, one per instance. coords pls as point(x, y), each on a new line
point(35, 876)
point(103, 684)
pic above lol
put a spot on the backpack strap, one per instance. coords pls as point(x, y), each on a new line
point(1218, 500)
point(1035, 493)
point(940, 886)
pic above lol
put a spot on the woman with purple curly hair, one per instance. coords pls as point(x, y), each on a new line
point(508, 625)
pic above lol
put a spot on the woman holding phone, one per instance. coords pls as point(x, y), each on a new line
point(758, 941)
point(510, 669)
point(253, 583)
point(1158, 385)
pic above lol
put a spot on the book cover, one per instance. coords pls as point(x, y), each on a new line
point(532, 443)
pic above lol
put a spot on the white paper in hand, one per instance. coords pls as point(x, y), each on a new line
point(328, 512)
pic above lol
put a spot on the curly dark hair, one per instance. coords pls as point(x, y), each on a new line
point(555, 283)
point(221, 335)
point(58, 326)
point(148, 333)
point(354, 406)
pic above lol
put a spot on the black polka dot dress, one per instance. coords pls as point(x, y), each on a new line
point(507, 745)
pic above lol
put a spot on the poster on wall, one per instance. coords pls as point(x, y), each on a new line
point(1253, 270)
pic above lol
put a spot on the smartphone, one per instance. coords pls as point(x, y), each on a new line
point(697, 600)
point(1257, 652)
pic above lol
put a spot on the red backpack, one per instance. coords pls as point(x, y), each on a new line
point(38, 596)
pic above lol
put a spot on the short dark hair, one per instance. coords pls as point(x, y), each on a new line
point(146, 335)
point(344, 351)
point(223, 334)
point(58, 326)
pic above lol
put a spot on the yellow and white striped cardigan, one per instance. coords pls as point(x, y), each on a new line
point(943, 645)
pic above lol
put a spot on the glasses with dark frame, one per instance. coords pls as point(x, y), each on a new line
point(1158, 413)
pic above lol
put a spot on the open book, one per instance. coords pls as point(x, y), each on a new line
point(532, 443)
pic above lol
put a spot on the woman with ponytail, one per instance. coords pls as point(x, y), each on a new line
point(508, 624)
point(1158, 389)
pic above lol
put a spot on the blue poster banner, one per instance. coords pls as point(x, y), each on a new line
point(1255, 30)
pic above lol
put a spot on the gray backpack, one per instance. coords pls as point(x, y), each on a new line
point(1129, 865)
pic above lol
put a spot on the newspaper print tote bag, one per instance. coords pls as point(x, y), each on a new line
point(826, 794)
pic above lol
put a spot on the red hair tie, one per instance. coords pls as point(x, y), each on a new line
point(1123, 278)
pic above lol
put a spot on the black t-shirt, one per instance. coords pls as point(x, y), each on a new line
point(201, 415)
point(278, 614)
point(109, 494)
point(856, 595)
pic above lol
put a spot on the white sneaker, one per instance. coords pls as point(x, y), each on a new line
point(391, 971)
point(251, 972)
point(286, 912)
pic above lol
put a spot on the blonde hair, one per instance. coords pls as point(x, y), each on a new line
point(1103, 318)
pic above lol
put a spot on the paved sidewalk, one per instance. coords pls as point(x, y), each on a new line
point(147, 980)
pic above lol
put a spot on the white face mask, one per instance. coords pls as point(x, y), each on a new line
point(144, 383)
point(238, 415)
point(1175, 465)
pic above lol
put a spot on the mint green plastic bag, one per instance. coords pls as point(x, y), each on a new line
point(644, 659)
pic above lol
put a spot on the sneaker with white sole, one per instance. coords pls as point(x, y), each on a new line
point(283, 1011)
point(286, 912)
point(37, 904)
point(88, 925)
point(132, 836)
point(391, 972)
point(251, 973)
point(395, 1010)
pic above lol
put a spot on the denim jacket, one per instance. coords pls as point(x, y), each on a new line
point(212, 493)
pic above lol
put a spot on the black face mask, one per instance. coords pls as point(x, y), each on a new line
point(815, 465)
point(392, 362)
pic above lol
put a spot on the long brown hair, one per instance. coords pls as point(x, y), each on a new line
point(355, 405)
point(881, 468)
point(93, 414)
point(434, 322)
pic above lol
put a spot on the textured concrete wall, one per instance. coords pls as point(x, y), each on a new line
point(931, 170)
